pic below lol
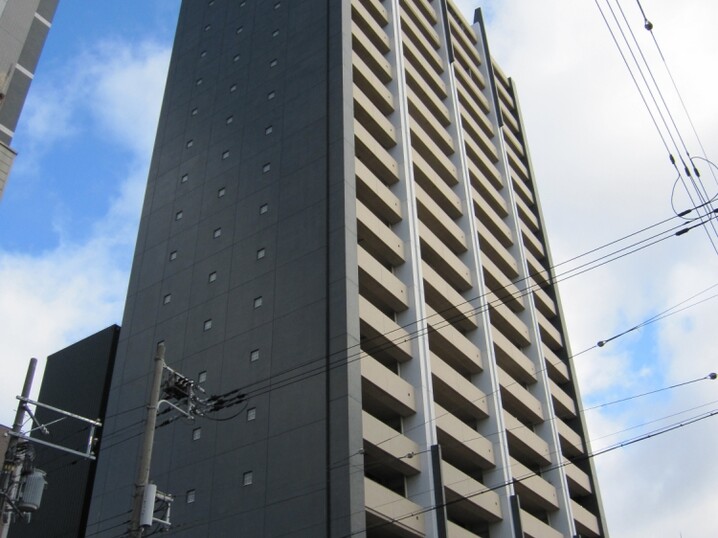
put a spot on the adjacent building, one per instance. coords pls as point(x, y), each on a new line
point(76, 380)
point(341, 223)
point(24, 25)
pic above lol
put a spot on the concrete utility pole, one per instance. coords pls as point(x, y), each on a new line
point(143, 470)
point(10, 478)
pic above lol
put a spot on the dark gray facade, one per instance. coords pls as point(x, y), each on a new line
point(77, 380)
point(240, 270)
point(24, 25)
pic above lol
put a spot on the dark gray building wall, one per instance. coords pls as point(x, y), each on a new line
point(249, 196)
point(77, 380)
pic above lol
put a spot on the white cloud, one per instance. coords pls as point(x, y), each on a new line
point(52, 299)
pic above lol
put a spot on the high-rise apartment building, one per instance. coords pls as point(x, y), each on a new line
point(24, 25)
point(341, 223)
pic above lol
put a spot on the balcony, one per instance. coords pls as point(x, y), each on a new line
point(462, 445)
point(525, 444)
point(533, 490)
point(579, 484)
point(535, 528)
point(563, 404)
point(511, 359)
point(571, 442)
point(381, 334)
point(377, 238)
point(389, 446)
point(383, 390)
point(468, 499)
point(452, 346)
point(431, 214)
point(377, 282)
point(443, 260)
point(391, 511)
point(376, 196)
point(456, 393)
point(586, 523)
point(518, 400)
point(446, 300)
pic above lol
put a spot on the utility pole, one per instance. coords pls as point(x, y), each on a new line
point(10, 477)
point(143, 470)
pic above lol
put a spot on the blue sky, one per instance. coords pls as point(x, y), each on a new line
point(68, 218)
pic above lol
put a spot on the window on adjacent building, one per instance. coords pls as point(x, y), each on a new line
point(236, 58)
point(263, 209)
point(195, 111)
point(173, 255)
point(275, 33)
point(217, 232)
point(271, 95)
point(207, 324)
point(208, 27)
point(254, 355)
point(198, 82)
point(266, 167)
point(203, 54)
point(179, 215)
point(273, 63)
point(184, 178)
point(225, 155)
point(230, 119)
point(191, 494)
point(258, 301)
point(212, 277)
point(268, 130)
point(167, 299)
point(190, 143)
point(233, 88)
point(221, 192)
point(261, 253)
point(240, 29)
point(202, 376)
point(196, 434)
point(251, 413)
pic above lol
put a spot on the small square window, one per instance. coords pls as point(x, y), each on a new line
point(258, 301)
point(190, 496)
point(268, 130)
point(240, 29)
point(254, 355)
point(179, 215)
point(236, 58)
point(207, 324)
point(189, 143)
point(273, 63)
point(275, 33)
point(196, 434)
point(230, 119)
point(203, 54)
point(184, 178)
point(221, 192)
point(225, 155)
point(242, 4)
point(266, 167)
point(207, 28)
point(202, 376)
point(211, 2)
point(247, 478)
point(277, 5)
point(261, 253)
point(217, 232)
point(271, 95)
point(198, 82)
point(212, 276)
point(195, 111)
point(173, 255)
point(167, 299)
point(251, 413)
point(233, 88)
point(263, 209)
